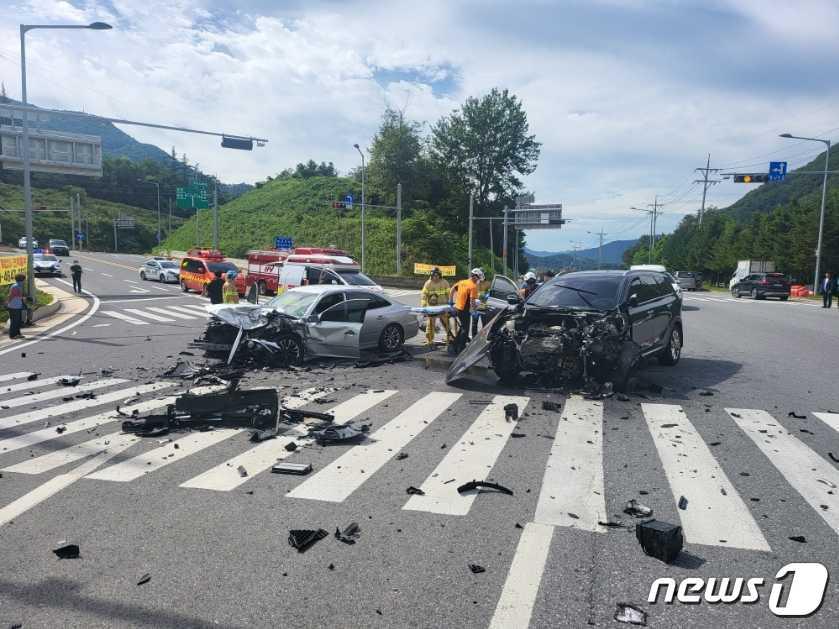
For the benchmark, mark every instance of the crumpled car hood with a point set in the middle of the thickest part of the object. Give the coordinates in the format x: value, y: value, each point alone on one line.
x: 475, y: 351
x: 246, y: 316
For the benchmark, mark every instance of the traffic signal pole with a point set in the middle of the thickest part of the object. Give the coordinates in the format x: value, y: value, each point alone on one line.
x: 705, y: 183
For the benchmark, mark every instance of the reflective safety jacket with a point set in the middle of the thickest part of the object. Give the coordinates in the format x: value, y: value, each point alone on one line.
x: 229, y: 292
x: 434, y: 293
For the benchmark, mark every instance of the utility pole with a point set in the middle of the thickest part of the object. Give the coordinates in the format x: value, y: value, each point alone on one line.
x: 601, y: 233
x: 72, y: 223
x: 504, y: 250
x: 471, y: 217
x: 215, y: 215
x: 398, y: 228
x: 115, y: 235
x: 169, y: 232
x: 705, y: 181
x: 654, y: 212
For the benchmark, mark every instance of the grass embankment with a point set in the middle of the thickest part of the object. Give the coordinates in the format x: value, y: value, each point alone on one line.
x: 41, y: 299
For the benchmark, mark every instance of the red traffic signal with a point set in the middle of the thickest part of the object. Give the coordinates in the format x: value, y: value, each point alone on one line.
x: 339, y: 205
x: 751, y: 178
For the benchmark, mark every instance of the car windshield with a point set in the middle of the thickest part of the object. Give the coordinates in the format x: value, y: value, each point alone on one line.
x: 292, y: 302
x: 168, y: 264
x: 224, y: 267
x: 45, y: 257
x: 356, y: 278
x: 57, y: 243
x: 568, y: 291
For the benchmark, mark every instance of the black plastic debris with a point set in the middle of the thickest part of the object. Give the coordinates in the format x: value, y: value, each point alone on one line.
x: 737, y: 415
x: 683, y: 503
x: 350, y: 533
x: 337, y: 434
x: 32, y: 376
x: 547, y: 405
x: 144, y: 579
x: 630, y: 614
x: 519, y: 526
x: 60, y: 429
x: 511, y: 412
x: 476, y: 569
x: 262, y: 435
x: 242, y: 471
x: 304, y: 539
x: 660, y: 540
x: 622, y: 397
x: 401, y: 456
x: 480, y: 484
x: 706, y: 393
x: 296, y: 416
x: 301, y: 469
x: 517, y: 435
x: 636, y: 509
x: 612, y: 524
x: 70, y: 381
x: 67, y: 551
x: 414, y: 491
x: 833, y: 457
x: 798, y: 538
x: 290, y: 446
x: 331, y: 566
x: 795, y: 415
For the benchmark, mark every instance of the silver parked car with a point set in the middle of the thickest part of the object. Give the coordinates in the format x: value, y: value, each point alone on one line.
x: 160, y: 269
x: 320, y: 320
x: 688, y: 280
x: 46, y: 264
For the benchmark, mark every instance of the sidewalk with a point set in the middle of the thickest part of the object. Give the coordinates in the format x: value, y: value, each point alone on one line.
x: 64, y: 307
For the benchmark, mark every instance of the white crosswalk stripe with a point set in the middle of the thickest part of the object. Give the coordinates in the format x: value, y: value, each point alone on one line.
x: 472, y: 457
x: 190, y: 310
x: 62, y: 457
x: 52, y: 394
x: 116, y: 314
x: 692, y: 471
x: 34, y: 384
x: 336, y: 482
x: 148, y: 315
x: 809, y: 474
x: 831, y: 419
x: 172, y: 313
x: 15, y: 376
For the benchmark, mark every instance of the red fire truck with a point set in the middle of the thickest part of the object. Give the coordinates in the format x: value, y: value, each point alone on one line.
x: 265, y: 266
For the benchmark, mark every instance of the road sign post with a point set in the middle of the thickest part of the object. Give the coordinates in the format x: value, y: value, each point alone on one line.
x: 283, y: 243
x: 348, y: 201
x: 777, y: 171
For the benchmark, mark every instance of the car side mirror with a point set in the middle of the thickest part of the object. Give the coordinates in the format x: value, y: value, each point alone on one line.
x: 633, y: 300
x: 513, y: 299
x: 313, y: 318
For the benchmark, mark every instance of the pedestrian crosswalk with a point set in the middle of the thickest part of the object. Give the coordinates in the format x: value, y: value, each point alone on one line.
x: 169, y: 314
x: 572, y: 492
x: 724, y: 298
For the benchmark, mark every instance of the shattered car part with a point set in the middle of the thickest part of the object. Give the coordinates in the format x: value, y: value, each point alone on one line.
x: 476, y: 569
x: 70, y: 381
x: 258, y: 436
x: 635, y: 508
x: 480, y: 484
x: 630, y: 614
x: 67, y: 551
x: 414, y: 491
x: 144, y: 579
x: 660, y: 540
x: 295, y: 415
x: 547, y: 405
x: 300, y: 469
x: 304, y: 539
x: 511, y: 412
x: 337, y: 434
x: 350, y: 533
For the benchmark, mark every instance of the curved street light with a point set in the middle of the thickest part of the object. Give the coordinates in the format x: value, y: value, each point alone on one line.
x: 360, y: 152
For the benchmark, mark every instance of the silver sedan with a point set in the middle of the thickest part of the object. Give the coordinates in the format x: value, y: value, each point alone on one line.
x: 338, y: 321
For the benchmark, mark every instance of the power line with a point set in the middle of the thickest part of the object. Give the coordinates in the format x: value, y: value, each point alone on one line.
x: 706, y: 181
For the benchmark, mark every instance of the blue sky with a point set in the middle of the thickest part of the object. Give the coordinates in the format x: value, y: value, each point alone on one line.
x: 627, y: 96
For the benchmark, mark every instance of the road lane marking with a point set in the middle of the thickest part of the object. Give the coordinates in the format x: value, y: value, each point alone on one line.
x: 160, y: 457
x: 515, y: 606
x: 62, y: 457
x: 101, y: 325
x: 26, y: 400
x: 23, y: 386
x: 131, y: 281
x: 808, y: 473
x: 226, y: 477
x: 187, y: 310
x: 116, y: 314
x: 160, y: 288
x: 337, y: 481
x: 147, y: 315
x: 53, y: 486
x: 106, y: 274
x: 77, y: 405
x: 136, y: 299
x: 471, y: 458
x: 195, y: 308
x: 15, y: 376
x: 693, y: 472
x: 573, y: 481
x: 831, y: 419
x: 170, y: 313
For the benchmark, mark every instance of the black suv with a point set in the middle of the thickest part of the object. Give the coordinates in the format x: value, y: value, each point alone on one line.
x: 762, y: 285
x: 590, y: 326
x: 59, y: 247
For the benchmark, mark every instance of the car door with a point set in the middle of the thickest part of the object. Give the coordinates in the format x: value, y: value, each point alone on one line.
x: 331, y: 333
x: 499, y: 290
x: 152, y: 270
x: 378, y: 312
x: 642, y: 312
x: 665, y: 296
x: 747, y: 283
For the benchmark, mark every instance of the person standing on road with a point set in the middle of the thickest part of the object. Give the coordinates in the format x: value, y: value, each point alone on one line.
x: 229, y: 291
x: 214, y: 289
x: 16, y: 304
x: 529, y: 286
x: 76, y: 272
x: 435, y: 291
x: 463, y: 296
x: 480, y: 313
x: 827, y: 291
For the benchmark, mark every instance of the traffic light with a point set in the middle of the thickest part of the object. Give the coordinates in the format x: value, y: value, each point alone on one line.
x: 339, y: 205
x: 243, y: 144
x: 751, y: 178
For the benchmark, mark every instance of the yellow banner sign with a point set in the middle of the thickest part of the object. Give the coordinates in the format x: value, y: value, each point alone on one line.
x: 425, y: 269
x: 11, y: 266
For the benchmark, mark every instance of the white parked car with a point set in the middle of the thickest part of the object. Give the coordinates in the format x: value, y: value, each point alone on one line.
x: 160, y: 269
x: 21, y: 244
x: 46, y: 264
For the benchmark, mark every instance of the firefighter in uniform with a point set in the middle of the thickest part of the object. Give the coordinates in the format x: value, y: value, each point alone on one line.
x: 435, y: 292
x: 229, y: 291
x: 464, y: 297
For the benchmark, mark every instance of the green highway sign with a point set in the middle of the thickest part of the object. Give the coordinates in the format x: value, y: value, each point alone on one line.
x: 193, y: 196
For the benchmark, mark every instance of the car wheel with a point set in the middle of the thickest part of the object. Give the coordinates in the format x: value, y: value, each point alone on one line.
x: 183, y: 287
x: 673, y: 351
x: 392, y: 338
x: 784, y: 298
x: 143, y: 275
x: 291, y: 349
x: 753, y: 294
x: 162, y: 278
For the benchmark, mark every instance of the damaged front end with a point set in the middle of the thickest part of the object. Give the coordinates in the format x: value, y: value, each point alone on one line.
x: 558, y: 346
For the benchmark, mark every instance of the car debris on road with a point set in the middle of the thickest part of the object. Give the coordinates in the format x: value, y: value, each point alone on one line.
x: 660, y: 540
x: 630, y: 614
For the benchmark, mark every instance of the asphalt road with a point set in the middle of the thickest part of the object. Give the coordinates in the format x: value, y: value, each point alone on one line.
x: 215, y: 543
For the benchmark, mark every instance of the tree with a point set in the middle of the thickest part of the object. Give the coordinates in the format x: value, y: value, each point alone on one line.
x: 395, y: 157
x: 484, y: 147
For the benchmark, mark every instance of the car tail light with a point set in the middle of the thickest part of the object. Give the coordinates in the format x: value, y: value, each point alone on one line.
x: 763, y: 282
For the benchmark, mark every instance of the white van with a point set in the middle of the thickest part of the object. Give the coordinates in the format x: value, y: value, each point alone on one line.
x: 294, y: 275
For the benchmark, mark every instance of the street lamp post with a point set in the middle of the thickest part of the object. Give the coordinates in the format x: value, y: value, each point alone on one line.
x: 156, y: 185
x: 360, y: 152
x: 824, y: 197
x: 27, y: 164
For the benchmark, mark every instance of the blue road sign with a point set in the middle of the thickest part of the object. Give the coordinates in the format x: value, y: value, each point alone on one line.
x: 777, y: 171
x: 348, y: 201
x: 284, y: 243
x: 79, y: 235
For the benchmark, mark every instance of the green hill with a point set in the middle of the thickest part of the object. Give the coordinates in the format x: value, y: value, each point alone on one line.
x: 97, y: 213
x: 301, y: 208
